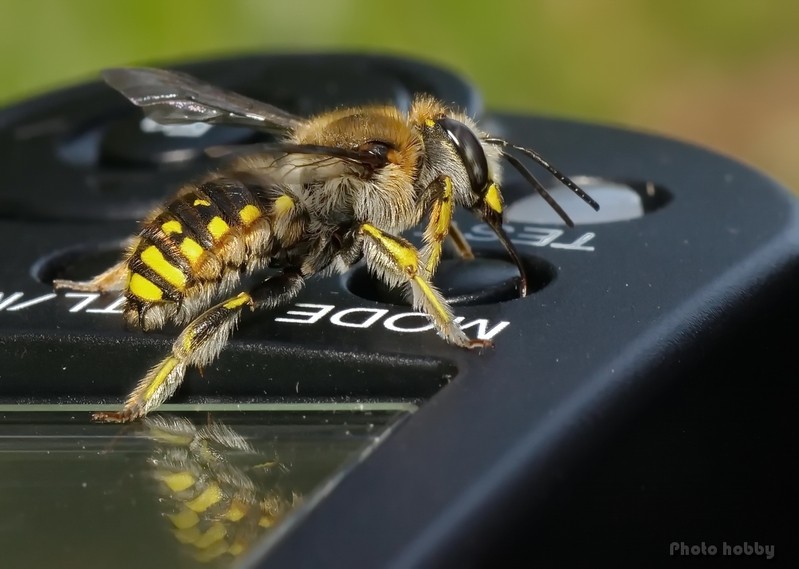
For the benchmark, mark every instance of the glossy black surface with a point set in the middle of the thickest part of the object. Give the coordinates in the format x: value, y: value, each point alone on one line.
x: 133, y: 494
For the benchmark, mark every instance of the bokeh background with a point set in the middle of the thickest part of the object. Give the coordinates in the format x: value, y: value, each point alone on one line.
x: 724, y: 74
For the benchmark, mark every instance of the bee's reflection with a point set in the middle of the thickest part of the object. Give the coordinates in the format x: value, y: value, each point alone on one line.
x: 218, y: 492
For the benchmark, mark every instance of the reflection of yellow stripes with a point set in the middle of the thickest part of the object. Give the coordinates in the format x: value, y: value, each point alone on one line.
x: 237, y: 510
x: 187, y: 535
x: 213, y: 534
x: 208, y: 498
x: 154, y: 259
x: 184, y: 519
x: 178, y: 481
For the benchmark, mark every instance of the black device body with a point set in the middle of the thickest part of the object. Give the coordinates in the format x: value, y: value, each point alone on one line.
x: 638, y: 397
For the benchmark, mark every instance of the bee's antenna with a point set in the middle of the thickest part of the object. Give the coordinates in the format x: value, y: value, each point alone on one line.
x: 540, y: 160
x: 539, y: 188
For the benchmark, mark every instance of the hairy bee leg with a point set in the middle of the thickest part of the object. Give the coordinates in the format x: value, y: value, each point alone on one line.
x: 439, y: 223
x: 113, y: 279
x: 200, y: 344
x: 441, y: 226
x: 458, y: 239
x: 396, y: 261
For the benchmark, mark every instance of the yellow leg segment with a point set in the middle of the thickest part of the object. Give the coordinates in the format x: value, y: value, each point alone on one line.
x: 439, y: 223
x: 200, y: 344
x: 396, y: 261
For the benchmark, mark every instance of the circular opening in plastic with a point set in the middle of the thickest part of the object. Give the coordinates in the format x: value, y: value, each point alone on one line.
x: 618, y: 201
x: 484, y: 280
x: 77, y: 263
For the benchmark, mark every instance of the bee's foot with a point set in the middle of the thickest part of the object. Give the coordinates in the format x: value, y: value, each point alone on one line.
x: 479, y: 344
x: 124, y: 416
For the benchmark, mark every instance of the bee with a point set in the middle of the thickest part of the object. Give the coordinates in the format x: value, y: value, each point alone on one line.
x: 334, y: 189
x: 217, y: 508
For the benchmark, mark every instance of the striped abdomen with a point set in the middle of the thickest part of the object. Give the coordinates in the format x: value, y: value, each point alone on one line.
x: 197, y: 246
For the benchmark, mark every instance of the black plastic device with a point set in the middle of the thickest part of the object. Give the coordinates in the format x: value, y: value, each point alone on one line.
x: 564, y: 443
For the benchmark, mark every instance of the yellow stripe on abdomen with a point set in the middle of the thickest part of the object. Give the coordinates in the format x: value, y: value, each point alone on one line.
x: 172, y: 226
x: 283, y: 205
x: 154, y: 259
x: 218, y: 228
x: 192, y: 250
x: 249, y: 213
x: 144, y: 289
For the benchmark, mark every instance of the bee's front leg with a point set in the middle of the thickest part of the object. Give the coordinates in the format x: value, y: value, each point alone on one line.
x: 441, y: 226
x: 396, y: 261
x: 200, y: 343
x: 438, y: 225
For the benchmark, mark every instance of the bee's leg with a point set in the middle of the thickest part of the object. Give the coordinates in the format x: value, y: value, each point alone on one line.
x: 112, y: 279
x: 441, y: 226
x: 396, y: 261
x: 438, y: 226
x: 200, y: 343
x: 458, y: 239
x: 489, y: 207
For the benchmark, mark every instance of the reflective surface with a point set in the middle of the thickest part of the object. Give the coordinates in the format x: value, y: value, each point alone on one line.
x: 178, y: 490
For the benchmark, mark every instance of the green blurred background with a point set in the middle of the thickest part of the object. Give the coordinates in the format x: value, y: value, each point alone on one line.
x: 720, y: 73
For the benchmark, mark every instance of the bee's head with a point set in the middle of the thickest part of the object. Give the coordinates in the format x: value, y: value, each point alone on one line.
x: 455, y: 148
x: 484, y: 196
x: 463, y: 147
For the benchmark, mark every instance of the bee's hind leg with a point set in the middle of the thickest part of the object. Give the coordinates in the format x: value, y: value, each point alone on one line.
x: 113, y: 279
x: 200, y: 343
x: 110, y: 280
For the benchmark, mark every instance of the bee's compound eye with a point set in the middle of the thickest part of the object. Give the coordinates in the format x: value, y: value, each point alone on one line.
x: 470, y: 150
x: 377, y: 148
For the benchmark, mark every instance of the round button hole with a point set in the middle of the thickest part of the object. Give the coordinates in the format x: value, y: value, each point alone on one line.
x: 618, y: 201
x: 78, y: 263
x: 484, y: 280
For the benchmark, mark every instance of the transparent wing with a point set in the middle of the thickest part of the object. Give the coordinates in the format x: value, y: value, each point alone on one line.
x: 302, y: 163
x: 171, y: 97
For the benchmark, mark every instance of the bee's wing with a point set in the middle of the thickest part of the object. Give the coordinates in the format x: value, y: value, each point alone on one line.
x: 303, y: 163
x: 170, y: 97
